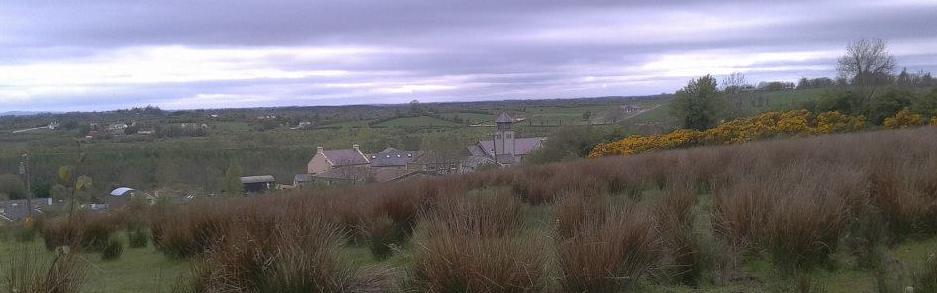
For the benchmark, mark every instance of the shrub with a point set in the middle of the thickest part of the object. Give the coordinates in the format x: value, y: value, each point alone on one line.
x: 112, y: 249
x: 769, y: 124
x: 904, y: 119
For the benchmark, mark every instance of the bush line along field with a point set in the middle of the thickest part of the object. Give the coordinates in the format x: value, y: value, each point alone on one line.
x: 834, y: 213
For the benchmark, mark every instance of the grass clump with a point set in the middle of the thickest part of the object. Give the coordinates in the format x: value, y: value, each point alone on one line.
x: 471, y: 244
x: 138, y: 237
x: 113, y: 249
x: 611, y: 254
x: 31, y: 271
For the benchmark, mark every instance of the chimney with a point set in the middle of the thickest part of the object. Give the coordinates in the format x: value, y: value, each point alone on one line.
x: 355, y: 146
x: 319, y: 150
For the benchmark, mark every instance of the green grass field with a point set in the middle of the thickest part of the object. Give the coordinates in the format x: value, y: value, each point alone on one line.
x: 137, y: 270
x: 420, y: 121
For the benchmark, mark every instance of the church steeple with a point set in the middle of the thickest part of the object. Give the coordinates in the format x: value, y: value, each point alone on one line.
x: 504, y: 139
x: 504, y: 121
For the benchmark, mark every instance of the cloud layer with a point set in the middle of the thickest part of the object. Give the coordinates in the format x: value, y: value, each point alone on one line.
x: 106, y: 54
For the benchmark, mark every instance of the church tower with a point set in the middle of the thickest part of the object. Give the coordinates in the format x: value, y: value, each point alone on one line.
x: 504, y: 138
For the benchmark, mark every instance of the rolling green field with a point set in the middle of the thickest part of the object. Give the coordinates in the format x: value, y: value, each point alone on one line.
x: 198, y: 164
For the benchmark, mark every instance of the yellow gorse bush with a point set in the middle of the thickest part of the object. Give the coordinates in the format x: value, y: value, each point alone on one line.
x: 792, y: 123
x: 832, y: 122
x: 933, y: 121
x: 904, y: 119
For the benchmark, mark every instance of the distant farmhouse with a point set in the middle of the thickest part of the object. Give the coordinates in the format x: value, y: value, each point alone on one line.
x: 352, y: 166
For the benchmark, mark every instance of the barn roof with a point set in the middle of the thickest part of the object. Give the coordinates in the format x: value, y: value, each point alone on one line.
x: 121, y: 191
x: 257, y: 179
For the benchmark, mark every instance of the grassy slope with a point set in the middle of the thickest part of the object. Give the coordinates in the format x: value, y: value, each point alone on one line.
x: 137, y: 270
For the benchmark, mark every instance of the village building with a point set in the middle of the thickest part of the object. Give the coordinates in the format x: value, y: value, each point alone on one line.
x: 325, y: 160
x: 352, y: 166
x: 505, y: 148
x: 12, y: 211
x: 394, y: 158
x: 631, y: 108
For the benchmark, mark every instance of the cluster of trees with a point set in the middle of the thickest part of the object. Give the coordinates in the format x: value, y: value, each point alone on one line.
x: 866, y: 86
x: 813, y: 83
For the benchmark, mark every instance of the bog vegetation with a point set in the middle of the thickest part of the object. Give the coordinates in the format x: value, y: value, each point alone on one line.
x: 681, y: 218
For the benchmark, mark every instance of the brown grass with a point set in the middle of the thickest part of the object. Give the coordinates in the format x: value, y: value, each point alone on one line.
x: 616, y: 221
x: 611, y: 254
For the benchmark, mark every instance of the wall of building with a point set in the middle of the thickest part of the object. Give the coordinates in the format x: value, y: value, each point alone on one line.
x: 318, y: 164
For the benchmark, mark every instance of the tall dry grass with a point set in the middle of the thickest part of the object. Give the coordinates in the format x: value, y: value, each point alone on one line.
x: 470, y: 243
x: 617, y: 220
x: 32, y: 271
x: 608, y: 254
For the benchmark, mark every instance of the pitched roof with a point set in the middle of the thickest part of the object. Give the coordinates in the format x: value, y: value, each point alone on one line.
x: 345, y: 157
x: 504, y: 118
x: 476, y: 150
x: 522, y: 146
x: 387, y: 175
x: 257, y: 179
x: 391, y: 157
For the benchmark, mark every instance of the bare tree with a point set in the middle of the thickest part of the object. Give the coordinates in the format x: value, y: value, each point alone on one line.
x: 867, y: 63
x: 733, y: 86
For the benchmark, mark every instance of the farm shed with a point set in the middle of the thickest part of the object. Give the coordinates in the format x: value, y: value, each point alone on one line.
x: 256, y: 184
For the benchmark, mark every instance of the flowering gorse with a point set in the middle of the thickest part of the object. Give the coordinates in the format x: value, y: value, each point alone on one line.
x: 770, y: 124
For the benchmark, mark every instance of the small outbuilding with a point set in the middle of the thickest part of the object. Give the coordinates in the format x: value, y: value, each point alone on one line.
x: 258, y: 184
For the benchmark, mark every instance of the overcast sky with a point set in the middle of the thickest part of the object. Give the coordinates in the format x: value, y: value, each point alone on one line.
x: 107, y: 54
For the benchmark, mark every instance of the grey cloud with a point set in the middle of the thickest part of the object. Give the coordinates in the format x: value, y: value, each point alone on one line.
x: 490, y: 47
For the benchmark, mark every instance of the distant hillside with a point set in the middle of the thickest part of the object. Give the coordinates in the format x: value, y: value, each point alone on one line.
x: 20, y: 113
